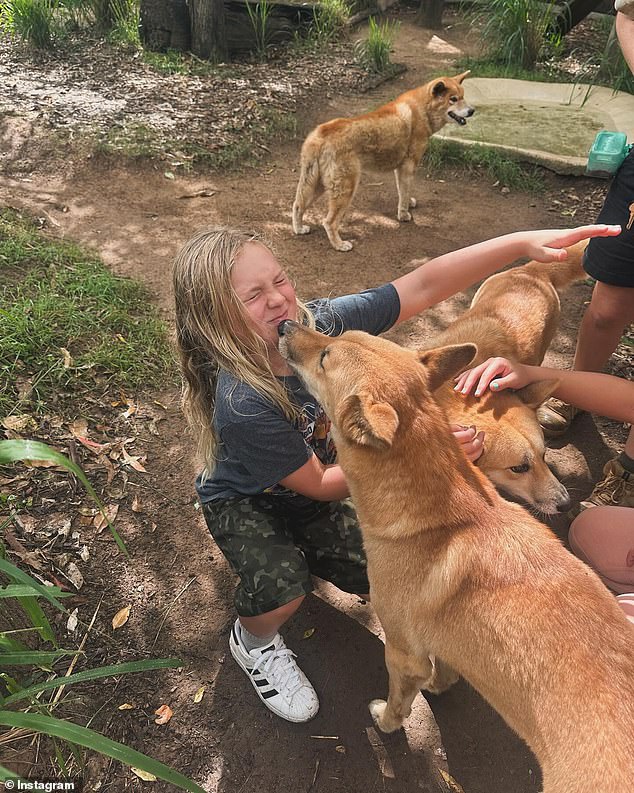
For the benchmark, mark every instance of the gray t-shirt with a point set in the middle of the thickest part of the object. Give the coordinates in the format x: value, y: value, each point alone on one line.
x: 259, y: 446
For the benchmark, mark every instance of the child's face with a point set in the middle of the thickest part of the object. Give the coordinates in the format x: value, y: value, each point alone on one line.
x: 265, y: 291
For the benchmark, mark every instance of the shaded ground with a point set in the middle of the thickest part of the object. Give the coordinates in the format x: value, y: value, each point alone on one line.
x: 177, y: 584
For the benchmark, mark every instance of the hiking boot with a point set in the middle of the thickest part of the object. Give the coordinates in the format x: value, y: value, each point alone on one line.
x: 555, y: 417
x: 616, y: 489
x: 277, y: 679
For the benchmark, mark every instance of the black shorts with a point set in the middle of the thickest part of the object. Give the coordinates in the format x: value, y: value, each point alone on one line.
x: 611, y: 259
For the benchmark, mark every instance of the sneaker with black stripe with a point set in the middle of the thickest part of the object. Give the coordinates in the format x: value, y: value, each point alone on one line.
x: 277, y: 679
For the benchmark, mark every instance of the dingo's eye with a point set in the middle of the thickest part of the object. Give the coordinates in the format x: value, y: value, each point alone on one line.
x: 453, y: 99
x: 520, y: 469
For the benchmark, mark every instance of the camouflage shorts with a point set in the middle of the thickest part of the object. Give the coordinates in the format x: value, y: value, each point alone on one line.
x: 275, y: 547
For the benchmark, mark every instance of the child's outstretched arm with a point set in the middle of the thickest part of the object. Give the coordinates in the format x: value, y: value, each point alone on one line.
x: 445, y: 275
x: 598, y: 393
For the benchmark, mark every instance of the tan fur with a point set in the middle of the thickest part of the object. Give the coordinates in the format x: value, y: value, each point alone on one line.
x: 463, y: 581
x: 393, y: 137
x: 514, y: 314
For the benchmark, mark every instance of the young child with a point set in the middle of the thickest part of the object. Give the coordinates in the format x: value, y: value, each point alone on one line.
x: 602, y: 536
x: 272, y: 494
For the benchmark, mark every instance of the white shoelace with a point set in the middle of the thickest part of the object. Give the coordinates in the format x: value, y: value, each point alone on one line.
x: 280, y: 668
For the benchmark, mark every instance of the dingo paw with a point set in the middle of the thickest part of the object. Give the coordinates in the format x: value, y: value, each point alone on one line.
x: 301, y: 229
x: 377, y: 710
x: 412, y: 203
x: 404, y: 216
x: 344, y: 245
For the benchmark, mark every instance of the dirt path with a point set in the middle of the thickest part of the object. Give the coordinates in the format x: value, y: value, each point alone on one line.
x: 177, y: 582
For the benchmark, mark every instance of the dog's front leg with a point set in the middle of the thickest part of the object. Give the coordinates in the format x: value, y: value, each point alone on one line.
x: 408, y: 674
x: 404, y: 178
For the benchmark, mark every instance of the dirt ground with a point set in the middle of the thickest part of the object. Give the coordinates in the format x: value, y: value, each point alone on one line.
x: 176, y: 581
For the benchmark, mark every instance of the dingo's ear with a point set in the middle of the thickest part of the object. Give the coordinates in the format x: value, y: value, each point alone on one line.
x: 534, y: 394
x: 459, y: 78
x: 438, y: 88
x: 366, y: 422
x: 443, y: 362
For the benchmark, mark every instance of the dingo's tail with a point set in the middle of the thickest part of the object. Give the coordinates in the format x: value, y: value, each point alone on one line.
x: 310, y: 185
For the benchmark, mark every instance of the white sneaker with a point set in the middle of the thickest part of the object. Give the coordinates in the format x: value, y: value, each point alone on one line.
x: 274, y: 673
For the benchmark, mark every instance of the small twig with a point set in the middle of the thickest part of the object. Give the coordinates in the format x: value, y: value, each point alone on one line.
x: 80, y: 649
x: 170, y: 607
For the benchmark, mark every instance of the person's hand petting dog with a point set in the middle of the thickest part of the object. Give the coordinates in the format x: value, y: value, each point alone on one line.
x: 496, y: 373
x: 471, y: 441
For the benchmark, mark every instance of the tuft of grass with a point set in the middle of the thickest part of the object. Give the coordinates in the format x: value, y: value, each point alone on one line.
x: 175, y: 62
x: 515, y: 32
x: 373, y: 53
x: 68, y: 325
x: 33, y: 21
x: 444, y: 154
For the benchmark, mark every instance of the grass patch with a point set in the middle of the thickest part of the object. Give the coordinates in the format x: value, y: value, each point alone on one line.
x: 443, y: 154
x: 69, y: 326
x: 174, y: 62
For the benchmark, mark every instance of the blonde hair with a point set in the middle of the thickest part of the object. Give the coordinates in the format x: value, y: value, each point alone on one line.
x: 213, y: 333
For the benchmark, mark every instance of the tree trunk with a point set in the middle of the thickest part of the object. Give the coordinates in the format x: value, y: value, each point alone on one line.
x: 165, y: 25
x: 208, y: 29
x: 571, y: 13
x: 429, y: 14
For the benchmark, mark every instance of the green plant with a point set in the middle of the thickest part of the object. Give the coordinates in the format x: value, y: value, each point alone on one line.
x: 32, y: 20
x: 443, y: 154
x: 373, y: 53
x: 36, y: 675
x: 515, y: 31
x: 259, y: 15
x: 329, y: 17
x: 67, y: 323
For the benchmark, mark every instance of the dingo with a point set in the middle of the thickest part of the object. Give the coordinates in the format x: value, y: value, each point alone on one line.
x: 462, y: 579
x: 393, y: 137
x: 514, y: 314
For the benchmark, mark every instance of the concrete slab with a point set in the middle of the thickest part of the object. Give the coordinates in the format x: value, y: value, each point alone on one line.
x: 552, y: 124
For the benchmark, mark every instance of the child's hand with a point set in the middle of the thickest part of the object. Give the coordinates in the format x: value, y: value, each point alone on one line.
x: 471, y: 442
x: 498, y: 373
x: 550, y: 245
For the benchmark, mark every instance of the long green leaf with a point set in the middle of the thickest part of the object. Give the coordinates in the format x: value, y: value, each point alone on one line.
x: 93, y: 740
x: 93, y: 674
x: 27, y: 591
x: 12, y: 451
x: 37, y: 657
x: 23, y: 578
x: 34, y: 612
x: 6, y: 774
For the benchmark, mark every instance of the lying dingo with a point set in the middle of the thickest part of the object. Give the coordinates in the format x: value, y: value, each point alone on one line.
x: 463, y: 581
x: 392, y: 138
x: 514, y: 314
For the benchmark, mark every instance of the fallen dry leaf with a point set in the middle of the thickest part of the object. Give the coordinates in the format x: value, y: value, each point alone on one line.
x: 132, y: 461
x: 79, y: 428
x: 121, y: 617
x: 68, y: 358
x: 101, y: 522
x: 163, y: 714
x: 308, y: 633
x: 137, y: 505
x: 16, y: 423
x: 74, y: 575
x: 71, y: 624
x: 126, y: 706
x: 144, y: 775
x: 199, y: 694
